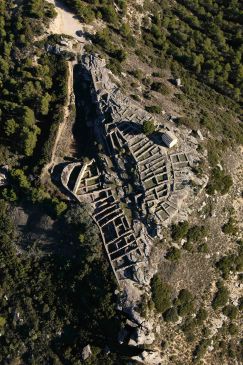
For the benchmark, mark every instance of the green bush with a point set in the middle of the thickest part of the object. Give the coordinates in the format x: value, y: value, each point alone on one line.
x: 119, y: 54
x: 160, y: 87
x: 115, y: 66
x: 230, y: 311
x: 233, y: 262
x: 59, y: 206
x: 233, y: 329
x: 161, y: 294
x: 201, y: 349
x: 240, y: 304
x: 221, y: 297
x: 229, y: 227
x: 170, y: 315
x: 239, y: 260
x: 226, y: 264
x: 196, y: 233
x: 203, y: 248
x: 138, y: 73
x: 185, y: 303
x: 179, y: 230
x: 2, y: 322
x: 189, y: 328
x: 173, y: 254
x: 156, y: 109
x: 219, y: 181
x: 109, y: 14
x: 201, y: 315
x: 135, y: 97
x: 148, y: 127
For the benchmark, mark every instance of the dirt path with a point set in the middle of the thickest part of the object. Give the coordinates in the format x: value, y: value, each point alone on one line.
x: 66, y: 112
x: 64, y: 23
x: 67, y: 23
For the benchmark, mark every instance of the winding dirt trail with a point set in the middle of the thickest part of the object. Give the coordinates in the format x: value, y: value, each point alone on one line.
x: 65, y: 23
x: 62, y: 125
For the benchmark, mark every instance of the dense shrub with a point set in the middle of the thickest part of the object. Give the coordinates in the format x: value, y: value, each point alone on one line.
x: 233, y: 329
x: 201, y: 315
x: 156, y: 109
x: 219, y: 181
x: 160, y: 87
x: 196, y: 233
x: 173, y: 254
x: 229, y: 227
x: 179, y: 230
x: 170, y: 315
x: 230, y: 311
x: 138, y: 73
x: 148, y: 127
x: 45, y: 292
x: 221, y: 297
x: 233, y: 262
x: 201, y: 349
x: 109, y: 14
x: 161, y: 294
x: 189, y: 328
x: 185, y: 303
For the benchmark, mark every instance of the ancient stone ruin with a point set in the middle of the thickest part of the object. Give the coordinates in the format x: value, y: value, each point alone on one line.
x: 159, y: 176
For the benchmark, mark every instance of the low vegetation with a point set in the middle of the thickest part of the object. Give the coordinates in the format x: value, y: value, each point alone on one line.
x: 221, y: 296
x: 56, y: 294
x: 161, y: 294
x: 219, y: 181
x: 148, y: 127
x: 173, y: 254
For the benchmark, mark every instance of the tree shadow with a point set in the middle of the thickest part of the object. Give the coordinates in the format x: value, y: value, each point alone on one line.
x: 59, y: 4
x: 156, y: 138
x: 133, y: 129
x: 130, y: 128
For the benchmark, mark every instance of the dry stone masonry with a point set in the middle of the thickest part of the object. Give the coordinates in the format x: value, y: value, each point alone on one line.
x: 160, y: 174
x: 121, y: 244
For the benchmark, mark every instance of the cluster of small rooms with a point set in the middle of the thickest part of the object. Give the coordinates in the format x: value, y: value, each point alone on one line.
x: 161, y: 177
x: 84, y: 181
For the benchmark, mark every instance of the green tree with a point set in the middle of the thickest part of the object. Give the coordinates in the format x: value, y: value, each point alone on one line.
x: 148, y: 127
x: 185, y: 302
x: 170, y: 315
x: 29, y: 139
x: 10, y: 127
x: 230, y: 311
x: 179, y: 230
x: 59, y: 206
x: 173, y: 254
x: 161, y: 294
x: 38, y: 195
x: 221, y: 297
x: 36, y: 8
x: 44, y: 104
x: 4, y: 68
x: 2, y: 322
x: 19, y: 176
x: 28, y: 117
x: 109, y: 14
